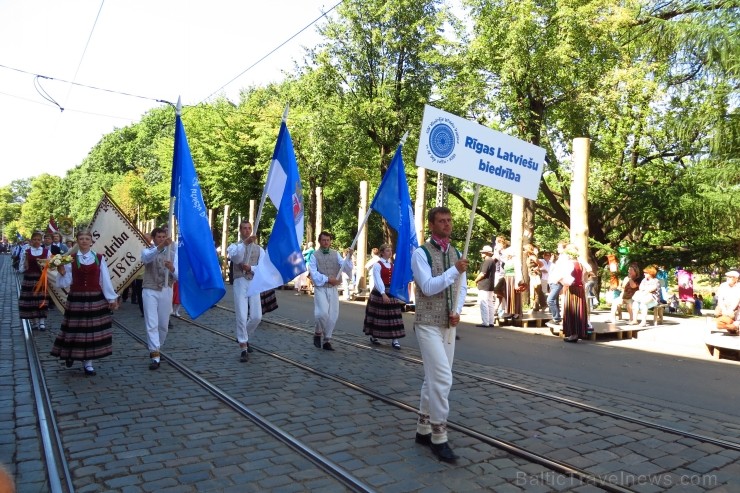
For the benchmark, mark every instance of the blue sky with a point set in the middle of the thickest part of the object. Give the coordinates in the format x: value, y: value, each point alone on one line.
x: 154, y: 48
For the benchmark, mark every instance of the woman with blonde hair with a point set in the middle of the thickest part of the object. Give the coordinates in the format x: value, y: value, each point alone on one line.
x: 86, y: 332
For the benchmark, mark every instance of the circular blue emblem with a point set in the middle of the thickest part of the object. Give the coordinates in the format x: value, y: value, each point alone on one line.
x: 442, y: 140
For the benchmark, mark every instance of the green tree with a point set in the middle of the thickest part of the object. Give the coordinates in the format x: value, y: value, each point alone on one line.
x: 593, y: 68
x: 380, y: 63
x: 46, y: 191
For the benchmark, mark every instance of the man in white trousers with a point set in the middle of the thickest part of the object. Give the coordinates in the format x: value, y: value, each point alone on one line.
x: 245, y: 257
x: 440, y: 279
x: 160, y: 265
x: 324, y: 266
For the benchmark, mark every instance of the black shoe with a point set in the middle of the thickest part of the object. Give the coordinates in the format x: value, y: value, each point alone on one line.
x: 424, y: 439
x: 457, y: 338
x: 69, y: 362
x: 443, y: 452
x: 484, y: 325
x: 327, y: 346
x: 249, y: 348
x: 154, y: 365
x: 244, y: 356
x: 89, y: 371
x: 374, y: 341
x: 317, y: 341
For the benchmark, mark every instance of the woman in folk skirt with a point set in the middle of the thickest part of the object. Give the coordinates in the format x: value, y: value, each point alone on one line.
x: 86, y: 328
x: 383, y: 314
x: 33, y: 306
x: 575, y: 315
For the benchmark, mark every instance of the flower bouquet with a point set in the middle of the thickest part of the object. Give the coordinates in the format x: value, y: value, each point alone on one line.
x: 51, y: 263
x: 59, y: 259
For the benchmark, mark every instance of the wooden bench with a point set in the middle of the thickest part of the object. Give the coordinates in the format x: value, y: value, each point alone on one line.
x: 721, y: 344
x: 603, y: 328
x: 658, y: 311
x: 533, y: 320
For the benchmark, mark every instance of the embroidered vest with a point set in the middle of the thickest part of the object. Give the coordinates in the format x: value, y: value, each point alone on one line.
x: 327, y: 263
x: 435, y: 310
x: 86, y: 278
x: 33, y: 267
x: 251, y: 257
x: 385, y: 274
x: 154, y: 273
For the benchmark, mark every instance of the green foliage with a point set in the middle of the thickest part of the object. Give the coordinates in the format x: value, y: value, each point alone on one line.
x: 654, y: 85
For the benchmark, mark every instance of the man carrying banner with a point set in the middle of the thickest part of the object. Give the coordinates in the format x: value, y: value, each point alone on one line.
x: 324, y: 266
x: 245, y: 256
x: 160, y: 264
x: 439, y: 274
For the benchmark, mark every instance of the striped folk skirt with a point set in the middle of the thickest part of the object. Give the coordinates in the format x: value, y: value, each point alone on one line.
x: 268, y: 300
x: 29, y: 304
x: 383, y: 320
x: 86, y: 328
x: 513, y: 296
x: 575, y: 316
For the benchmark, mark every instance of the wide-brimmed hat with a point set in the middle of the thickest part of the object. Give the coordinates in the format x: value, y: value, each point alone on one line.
x: 486, y: 249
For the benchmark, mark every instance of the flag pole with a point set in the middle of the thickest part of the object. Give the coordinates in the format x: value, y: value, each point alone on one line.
x: 269, y: 173
x: 370, y: 211
x: 467, y: 238
x: 170, y: 229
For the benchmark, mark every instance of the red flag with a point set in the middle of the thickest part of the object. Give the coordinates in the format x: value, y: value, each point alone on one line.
x: 52, y: 227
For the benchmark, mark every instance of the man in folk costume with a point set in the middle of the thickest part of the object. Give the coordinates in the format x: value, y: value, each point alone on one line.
x: 324, y: 266
x: 160, y: 265
x: 33, y: 304
x: 245, y: 257
x: 439, y: 275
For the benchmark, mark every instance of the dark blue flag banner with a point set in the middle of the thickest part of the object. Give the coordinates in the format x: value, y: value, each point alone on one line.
x: 200, y: 281
x: 393, y: 202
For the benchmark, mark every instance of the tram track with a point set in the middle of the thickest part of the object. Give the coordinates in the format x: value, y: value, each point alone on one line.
x: 240, y: 406
x: 57, y: 466
x: 727, y: 444
x: 322, y: 462
x: 557, y: 466
x: 679, y: 435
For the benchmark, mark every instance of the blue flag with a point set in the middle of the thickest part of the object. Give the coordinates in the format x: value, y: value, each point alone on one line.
x: 392, y: 201
x: 200, y: 281
x: 284, y: 258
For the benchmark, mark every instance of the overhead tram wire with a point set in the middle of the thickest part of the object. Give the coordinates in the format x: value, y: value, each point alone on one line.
x: 112, y: 91
x: 158, y: 100
x: 324, y: 14
x: 84, y: 52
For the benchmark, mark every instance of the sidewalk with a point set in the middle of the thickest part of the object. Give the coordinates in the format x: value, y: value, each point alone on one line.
x: 678, y: 336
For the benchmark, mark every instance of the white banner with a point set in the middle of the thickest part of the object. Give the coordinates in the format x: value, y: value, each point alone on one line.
x: 457, y: 147
x: 116, y: 239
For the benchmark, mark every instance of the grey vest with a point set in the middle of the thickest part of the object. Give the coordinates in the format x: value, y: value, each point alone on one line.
x: 435, y: 310
x: 251, y: 257
x: 327, y: 263
x: 154, y: 273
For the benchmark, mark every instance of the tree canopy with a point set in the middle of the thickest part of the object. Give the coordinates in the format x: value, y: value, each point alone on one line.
x: 653, y: 84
